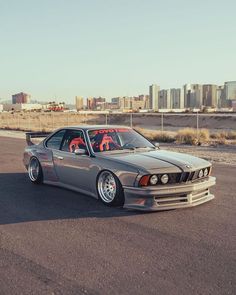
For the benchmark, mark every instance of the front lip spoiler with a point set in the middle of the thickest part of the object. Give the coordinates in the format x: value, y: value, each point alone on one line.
x: 147, y: 198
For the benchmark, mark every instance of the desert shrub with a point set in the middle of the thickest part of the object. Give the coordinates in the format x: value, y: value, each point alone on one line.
x: 157, y: 136
x: 190, y: 136
x: 163, y: 137
x: 203, y: 136
x: 187, y: 136
x: 219, y: 137
x: 231, y: 135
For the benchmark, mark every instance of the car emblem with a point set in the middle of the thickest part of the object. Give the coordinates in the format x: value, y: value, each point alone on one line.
x: 188, y: 166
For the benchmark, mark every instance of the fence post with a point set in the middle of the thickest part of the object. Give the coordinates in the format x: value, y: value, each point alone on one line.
x: 106, y: 118
x: 197, y: 127
x: 162, y: 119
x: 29, y: 122
x: 18, y: 121
x: 52, y: 120
x: 131, y: 120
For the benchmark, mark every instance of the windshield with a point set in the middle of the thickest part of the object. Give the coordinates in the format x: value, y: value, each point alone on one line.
x: 117, y: 139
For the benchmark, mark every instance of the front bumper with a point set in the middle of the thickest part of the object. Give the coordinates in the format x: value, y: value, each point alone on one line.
x: 169, y: 196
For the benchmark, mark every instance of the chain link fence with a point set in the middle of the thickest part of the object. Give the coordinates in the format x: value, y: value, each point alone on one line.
x: 35, y: 121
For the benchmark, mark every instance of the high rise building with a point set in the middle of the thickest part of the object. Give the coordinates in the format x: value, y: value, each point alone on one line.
x: 21, y: 98
x: 91, y: 103
x: 96, y: 103
x: 209, y: 97
x: 192, y: 96
x: 126, y: 103
x: 153, y: 97
x: 79, y: 102
x: 230, y: 93
x: 176, y: 98
x: 164, y: 99
x: 140, y: 102
x: 220, y: 96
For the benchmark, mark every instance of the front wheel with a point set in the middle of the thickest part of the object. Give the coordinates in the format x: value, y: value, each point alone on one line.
x: 110, y: 190
x: 35, y: 171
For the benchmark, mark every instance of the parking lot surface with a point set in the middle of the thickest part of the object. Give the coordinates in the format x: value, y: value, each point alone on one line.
x: 55, y: 241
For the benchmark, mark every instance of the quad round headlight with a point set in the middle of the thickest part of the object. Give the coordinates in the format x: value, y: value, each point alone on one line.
x: 164, y: 178
x: 200, y: 174
x: 205, y: 172
x: 153, y: 179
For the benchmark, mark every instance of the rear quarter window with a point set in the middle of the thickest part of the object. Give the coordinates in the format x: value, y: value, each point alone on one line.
x: 54, y: 142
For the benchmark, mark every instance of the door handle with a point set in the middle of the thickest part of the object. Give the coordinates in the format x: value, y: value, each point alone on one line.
x: 59, y: 157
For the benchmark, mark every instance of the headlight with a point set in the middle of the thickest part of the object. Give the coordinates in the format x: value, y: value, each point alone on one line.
x: 164, y: 178
x: 200, y: 174
x: 205, y: 172
x: 153, y: 179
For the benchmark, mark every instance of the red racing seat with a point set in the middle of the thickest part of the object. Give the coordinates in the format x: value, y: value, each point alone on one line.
x: 76, y: 143
x: 106, y: 143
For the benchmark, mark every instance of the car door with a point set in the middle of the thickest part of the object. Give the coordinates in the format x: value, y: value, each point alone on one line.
x: 74, y: 170
x: 53, y: 144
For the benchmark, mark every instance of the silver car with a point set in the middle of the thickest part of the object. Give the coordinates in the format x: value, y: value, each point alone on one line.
x: 119, y: 166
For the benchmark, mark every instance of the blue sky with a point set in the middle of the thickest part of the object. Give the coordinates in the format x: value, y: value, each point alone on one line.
x: 55, y: 48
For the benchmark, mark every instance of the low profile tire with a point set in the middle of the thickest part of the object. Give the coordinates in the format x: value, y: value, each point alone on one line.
x: 35, y: 171
x: 110, y: 190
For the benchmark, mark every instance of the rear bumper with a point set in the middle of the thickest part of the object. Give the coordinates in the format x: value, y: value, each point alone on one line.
x: 169, y: 196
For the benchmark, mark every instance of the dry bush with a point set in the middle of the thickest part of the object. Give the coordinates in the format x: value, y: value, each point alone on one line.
x: 157, y: 136
x: 190, y: 136
x: 219, y: 137
x: 203, y: 136
x: 187, y: 136
x: 231, y: 135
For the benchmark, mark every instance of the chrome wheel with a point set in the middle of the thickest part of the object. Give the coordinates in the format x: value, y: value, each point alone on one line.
x: 107, y: 187
x: 34, y: 169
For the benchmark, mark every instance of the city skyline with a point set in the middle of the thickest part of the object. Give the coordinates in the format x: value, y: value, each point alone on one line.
x: 56, y: 49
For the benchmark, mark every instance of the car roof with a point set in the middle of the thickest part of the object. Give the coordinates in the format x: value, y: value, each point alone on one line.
x: 95, y: 127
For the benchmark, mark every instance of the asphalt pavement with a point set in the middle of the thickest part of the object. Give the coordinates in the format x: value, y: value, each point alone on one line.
x: 55, y: 241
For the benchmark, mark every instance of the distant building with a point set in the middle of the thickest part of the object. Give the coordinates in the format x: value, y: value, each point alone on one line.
x: 164, y: 99
x: 154, y: 97
x: 234, y: 105
x: 96, y: 103
x: 22, y: 107
x: 192, y: 96
x: 126, y: 103
x: 220, y: 96
x: 116, y: 102
x: 1, y: 107
x: 230, y: 93
x: 230, y: 90
x: 79, y: 103
x: 209, y: 97
x: 176, y: 98
x: 21, y: 98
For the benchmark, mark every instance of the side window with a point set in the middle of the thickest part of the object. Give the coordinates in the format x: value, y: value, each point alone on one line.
x: 74, y: 139
x: 55, y: 141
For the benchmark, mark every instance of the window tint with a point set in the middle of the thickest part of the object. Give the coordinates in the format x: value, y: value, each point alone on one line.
x: 74, y: 139
x: 55, y: 141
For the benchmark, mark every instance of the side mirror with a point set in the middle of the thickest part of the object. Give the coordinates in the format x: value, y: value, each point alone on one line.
x: 80, y: 152
x: 157, y: 145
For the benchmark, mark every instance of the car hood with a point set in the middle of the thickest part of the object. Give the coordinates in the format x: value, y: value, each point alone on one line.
x: 160, y: 159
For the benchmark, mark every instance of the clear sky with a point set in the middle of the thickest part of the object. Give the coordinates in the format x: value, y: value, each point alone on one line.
x: 64, y: 48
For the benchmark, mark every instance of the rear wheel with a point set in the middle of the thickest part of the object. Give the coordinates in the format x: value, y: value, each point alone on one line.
x: 35, y: 171
x: 109, y: 189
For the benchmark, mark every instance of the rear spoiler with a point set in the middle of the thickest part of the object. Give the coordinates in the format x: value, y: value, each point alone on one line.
x: 30, y: 135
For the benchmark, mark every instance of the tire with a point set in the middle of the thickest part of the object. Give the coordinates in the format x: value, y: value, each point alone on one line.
x: 35, y: 171
x: 110, y: 190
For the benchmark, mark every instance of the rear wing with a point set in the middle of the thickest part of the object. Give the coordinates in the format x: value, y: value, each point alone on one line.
x: 30, y: 135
